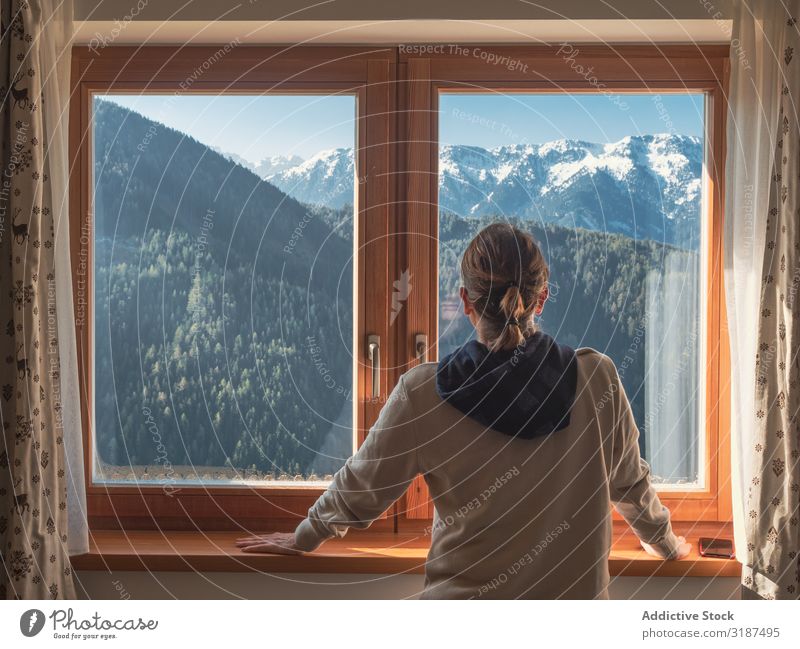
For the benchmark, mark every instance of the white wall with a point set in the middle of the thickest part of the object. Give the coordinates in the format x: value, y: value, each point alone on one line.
x: 176, y: 22
x: 408, y: 9
x: 232, y: 585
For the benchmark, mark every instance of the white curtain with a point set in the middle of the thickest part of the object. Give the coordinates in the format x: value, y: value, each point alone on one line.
x: 671, y: 385
x: 55, y: 53
x: 764, y: 41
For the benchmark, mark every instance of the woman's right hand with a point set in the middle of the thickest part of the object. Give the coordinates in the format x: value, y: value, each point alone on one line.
x: 682, y: 552
x: 274, y: 543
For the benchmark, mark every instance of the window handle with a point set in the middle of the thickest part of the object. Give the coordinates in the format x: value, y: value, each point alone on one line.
x: 421, y: 348
x: 374, y: 354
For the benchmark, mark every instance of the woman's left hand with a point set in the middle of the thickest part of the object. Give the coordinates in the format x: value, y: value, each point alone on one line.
x: 681, y: 552
x: 274, y: 543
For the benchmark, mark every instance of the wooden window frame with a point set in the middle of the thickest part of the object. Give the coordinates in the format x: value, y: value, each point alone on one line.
x: 366, y: 73
x: 397, y: 229
x: 634, y: 68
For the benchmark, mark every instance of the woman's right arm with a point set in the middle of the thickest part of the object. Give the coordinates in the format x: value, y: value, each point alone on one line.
x: 632, y: 493
x: 371, y: 480
x: 366, y: 486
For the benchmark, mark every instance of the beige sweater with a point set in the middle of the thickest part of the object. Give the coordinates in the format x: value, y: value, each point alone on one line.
x: 514, y: 518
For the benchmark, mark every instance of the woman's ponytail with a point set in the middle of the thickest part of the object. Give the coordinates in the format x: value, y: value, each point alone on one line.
x: 513, y: 309
x: 504, y: 273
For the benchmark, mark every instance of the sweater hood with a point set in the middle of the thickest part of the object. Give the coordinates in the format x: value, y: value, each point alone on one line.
x: 525, y: 392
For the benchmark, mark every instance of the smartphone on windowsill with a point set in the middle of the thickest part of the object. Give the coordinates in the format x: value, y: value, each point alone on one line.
x: 720, y: 548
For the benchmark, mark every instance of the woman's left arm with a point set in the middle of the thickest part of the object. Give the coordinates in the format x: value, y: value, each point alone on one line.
x: 365, y: 487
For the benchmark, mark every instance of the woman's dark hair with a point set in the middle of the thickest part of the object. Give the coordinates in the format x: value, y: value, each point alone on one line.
x: 504, y: 273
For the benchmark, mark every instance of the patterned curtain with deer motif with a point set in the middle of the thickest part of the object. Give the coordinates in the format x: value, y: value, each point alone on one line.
x: 33, y: 509
x: 771, y: 567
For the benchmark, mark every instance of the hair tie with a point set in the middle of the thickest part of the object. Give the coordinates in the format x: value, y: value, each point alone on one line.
x: 513, y: 321
x: 503, y: 287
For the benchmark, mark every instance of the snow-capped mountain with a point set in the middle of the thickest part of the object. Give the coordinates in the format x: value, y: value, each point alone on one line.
x: 235, y: 157
x: 645, y: 186
x: 324, y: 179
x: 268, y: 167
x: 328, y: 178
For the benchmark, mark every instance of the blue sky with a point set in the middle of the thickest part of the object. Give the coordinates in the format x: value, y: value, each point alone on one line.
x: 256, y: 127
x: 490, y: 120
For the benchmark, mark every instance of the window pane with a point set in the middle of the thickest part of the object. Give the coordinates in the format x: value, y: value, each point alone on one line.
x: 223, y: 287
x: 611, y: 187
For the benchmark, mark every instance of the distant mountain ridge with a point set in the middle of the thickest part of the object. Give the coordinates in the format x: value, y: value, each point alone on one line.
x: 327, y: 178
x: 266, y: 167
x: 646, y: 186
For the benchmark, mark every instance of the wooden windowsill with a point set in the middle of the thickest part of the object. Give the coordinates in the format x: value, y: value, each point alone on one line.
x: 358, y: 552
